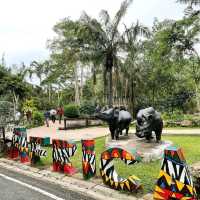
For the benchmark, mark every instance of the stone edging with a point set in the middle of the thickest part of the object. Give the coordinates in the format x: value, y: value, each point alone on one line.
x: 86, y: 188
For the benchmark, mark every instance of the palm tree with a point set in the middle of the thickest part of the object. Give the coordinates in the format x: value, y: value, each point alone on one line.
x: 42, y: 70
x: 97, y: 41
x: 105, y: 41
x: 190, y: 11
x: 37, y: 68
x: 190, y: 2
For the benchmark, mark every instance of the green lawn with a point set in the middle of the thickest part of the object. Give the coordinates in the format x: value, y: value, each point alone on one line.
x: 147, y: 172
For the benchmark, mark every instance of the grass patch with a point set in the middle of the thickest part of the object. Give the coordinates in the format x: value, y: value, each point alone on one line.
x: 190, y: 145
x: 147, y: 172
x: 77, y: 158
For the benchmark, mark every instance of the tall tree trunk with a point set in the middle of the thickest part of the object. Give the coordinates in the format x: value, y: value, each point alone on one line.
x: 108, y: 68
x: 94, y: 80
x: 110, y: 87
x: 105, y: 85
x: 153, y: 96
x: 81, y: 88
x: 197, y: 96
x: 132, y: 106
x: 59, y: 94
x: 77, y: 97
x: 15, y: 101
x: 49, y: 92
x: 94, y: 75
x: 126, y: 91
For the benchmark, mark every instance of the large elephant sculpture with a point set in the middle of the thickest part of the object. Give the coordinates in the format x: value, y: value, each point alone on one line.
x: 117, y: 119
x: 147, y: 121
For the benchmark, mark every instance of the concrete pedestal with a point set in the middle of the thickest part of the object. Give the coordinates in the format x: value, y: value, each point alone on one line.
x: 150, y: 151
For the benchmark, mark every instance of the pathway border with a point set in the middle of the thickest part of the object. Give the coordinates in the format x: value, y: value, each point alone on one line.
x: 86, y: 188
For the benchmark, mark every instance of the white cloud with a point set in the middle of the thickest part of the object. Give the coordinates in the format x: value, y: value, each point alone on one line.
x: 25, y: 25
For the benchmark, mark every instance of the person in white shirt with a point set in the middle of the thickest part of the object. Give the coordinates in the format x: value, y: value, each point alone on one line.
x: 53, y: 113
x: 17, y: 117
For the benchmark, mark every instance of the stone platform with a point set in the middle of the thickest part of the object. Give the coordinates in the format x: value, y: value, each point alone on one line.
x: 150, y: 151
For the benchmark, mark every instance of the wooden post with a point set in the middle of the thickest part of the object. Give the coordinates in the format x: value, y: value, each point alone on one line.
x: 65, y: 124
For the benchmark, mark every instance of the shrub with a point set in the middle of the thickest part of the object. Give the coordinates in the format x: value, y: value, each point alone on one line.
x: 29, y: 106
x: 87, y: 108
x: 71, y: 111
x: 38, y: 118
x: 178, y: 119
x: 175, y: 116
x: 190, y: 106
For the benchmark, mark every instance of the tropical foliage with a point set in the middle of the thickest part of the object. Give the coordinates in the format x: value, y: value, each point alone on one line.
x: 71, y: 111
x: 106, y: 62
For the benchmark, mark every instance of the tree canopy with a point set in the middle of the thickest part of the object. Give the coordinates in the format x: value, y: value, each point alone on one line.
x: 104, y: 61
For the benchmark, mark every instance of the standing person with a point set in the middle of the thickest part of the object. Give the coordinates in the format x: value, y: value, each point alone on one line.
x: 53, y: 113
x: 60, y: 113
x: 47, y: 116
x: 17, y: 117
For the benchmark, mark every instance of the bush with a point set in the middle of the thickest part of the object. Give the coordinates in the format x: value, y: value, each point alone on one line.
x: 196, y: 122
x: 178, y: 119
x: 38, y: 118
x: 87, y: 108
x: 175, y: 116
x: 29, y: 106
x: 71, y: 111
x: 190, y: 106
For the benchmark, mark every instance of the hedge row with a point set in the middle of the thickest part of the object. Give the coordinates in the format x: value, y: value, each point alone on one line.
x: 75, y: 111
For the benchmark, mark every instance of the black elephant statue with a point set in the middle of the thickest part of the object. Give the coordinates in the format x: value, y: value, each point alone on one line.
x: 117, y: 119
x: 147, y: 121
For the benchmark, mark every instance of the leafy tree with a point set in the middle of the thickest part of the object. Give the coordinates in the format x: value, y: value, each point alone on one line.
x: 132, y: 68
x: 12, y: 86
x: 98, y: 41
x: 38, y: 69
x: 181, y: 38
x: 164, y: 71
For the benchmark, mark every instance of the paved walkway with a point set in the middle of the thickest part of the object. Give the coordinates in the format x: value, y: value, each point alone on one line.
x: 73, y: 134
x: 93, y: 132
x: 182, y: 131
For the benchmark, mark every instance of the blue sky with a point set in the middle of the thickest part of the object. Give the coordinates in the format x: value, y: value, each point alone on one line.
x: 25, y: 25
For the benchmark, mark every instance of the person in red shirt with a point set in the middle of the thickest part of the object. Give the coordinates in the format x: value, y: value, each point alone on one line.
x: 60, y: 113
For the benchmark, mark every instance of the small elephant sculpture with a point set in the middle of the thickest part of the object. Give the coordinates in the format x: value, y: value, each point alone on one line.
x: 147, y: 121
x: 117, y: 119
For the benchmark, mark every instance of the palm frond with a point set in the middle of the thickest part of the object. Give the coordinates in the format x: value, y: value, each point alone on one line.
x: 106, y: 22
x: 131, y: 35
x: 94, y: 28
x: 190, y: 2
x: 140, y: 30
x: 105, y: 17
x: 190, y: 12
x: 121, y: 12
